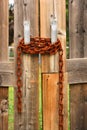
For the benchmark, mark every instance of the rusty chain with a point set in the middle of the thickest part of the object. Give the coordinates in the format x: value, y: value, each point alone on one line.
x: 40, y: 46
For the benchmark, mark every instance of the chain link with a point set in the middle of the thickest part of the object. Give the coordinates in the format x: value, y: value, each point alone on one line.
x: 40, y: 46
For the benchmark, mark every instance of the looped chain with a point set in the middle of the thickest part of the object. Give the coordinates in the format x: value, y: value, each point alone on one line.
x: 40, y: 46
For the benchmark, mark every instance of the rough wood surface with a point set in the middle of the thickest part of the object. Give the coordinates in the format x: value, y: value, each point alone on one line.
x: 85, y: 28
x: 3, y: 57
x: 3, y: 30
x: 77, y: 70
x: 6, y: 74
x: 78, y: 38
x: 78, y: 103
x: 27, y: 10
x: 46, y: 9
x: 76, y: 29
x: 4, y: 108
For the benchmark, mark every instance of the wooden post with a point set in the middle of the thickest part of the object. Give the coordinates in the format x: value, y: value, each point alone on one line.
x: 28, y: 119
x: 3, y: 58
x: 46, y: 9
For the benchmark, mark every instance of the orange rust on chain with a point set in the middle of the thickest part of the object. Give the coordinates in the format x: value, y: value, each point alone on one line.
x: 40, y: 46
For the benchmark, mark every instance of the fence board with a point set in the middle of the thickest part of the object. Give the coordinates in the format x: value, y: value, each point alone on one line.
x: 3, y: 58
x: 4, y: 108
x: 46, y: 9
x: 50, y: 98
x: 76, y: 30
x: 78, y: 50
x: 28, y: 10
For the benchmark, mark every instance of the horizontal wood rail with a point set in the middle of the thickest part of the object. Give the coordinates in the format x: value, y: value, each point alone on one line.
x: 76, y: 68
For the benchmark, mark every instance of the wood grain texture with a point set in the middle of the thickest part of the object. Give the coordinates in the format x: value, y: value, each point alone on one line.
x: 3, y: 58
x: 50, y: 98
x: 7, y: 74
x: 76, y: 29
x: 78, y: 106
x: 46, y: 8
x: 85, y: 27
x: 50, y: 101
x: 77, y: 70
x: 3, y: 108
x: 27, y: 10
x: 3, y: 30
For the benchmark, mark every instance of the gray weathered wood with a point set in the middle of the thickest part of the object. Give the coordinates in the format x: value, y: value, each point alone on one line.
x: 78, y: 44
x: 77, y: 70
x: 85, y: 28
x: 76, y: 64
x: 76, y: 30
x: 28, y: 119
x: 7, y: 74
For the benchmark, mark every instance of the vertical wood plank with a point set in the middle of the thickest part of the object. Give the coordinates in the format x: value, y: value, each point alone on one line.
x: 46, y: 8
x: 84, y: 116
x: 50, y: 98
x: 3, y: 108
x: 76, y: 107
x: 76, y: 30
x: 3, y: 57
x: 85, y: 27
x: 3, y: 30
x: 28, y: 10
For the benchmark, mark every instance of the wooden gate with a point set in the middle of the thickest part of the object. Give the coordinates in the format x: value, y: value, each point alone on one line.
x: 38, y: 12
x: 77, y: 65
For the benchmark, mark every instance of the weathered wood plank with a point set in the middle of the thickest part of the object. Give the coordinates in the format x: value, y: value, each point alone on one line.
x: 6, y: 74
x: 85, y: 106
x: 77, y: 70
x: 76, y: 107
x: 3, y: 30
x: 28, y: 10
x: 46, y: 8
x: 4, y: 108
x: 76, y: 64
x: 3, y: 57
x: 77, y: 77
x: 85, y: 28
x: 76, y: 30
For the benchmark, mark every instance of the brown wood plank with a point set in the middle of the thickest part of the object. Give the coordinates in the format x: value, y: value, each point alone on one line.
x: 3, y: 58
x: 4, y: 108
x: 85, y: 106
x: 27, y: 10
x: 3, y: 30
x: 50, y: 98
x: 50, y: 101
x: 46, y: 9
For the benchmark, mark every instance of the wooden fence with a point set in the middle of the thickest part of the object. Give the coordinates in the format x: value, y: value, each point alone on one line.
x: 38, y: 12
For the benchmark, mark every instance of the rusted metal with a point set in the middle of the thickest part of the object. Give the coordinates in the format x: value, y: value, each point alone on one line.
x: 40, y: 46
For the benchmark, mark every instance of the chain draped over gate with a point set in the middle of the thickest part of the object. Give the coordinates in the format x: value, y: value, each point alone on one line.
x: 40, y: 46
